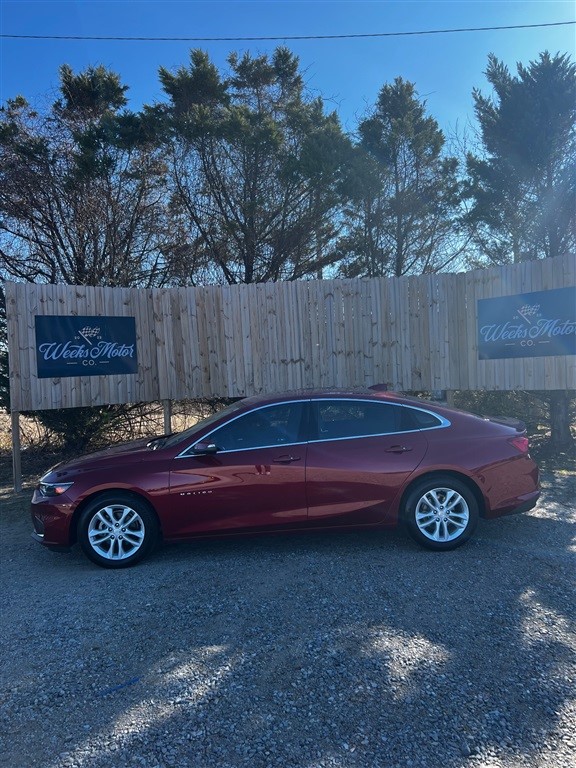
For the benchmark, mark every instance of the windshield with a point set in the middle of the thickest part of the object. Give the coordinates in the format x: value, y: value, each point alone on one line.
x: 188, y: 434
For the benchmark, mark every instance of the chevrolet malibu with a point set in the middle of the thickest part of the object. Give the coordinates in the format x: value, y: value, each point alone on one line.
x: 293, y: 462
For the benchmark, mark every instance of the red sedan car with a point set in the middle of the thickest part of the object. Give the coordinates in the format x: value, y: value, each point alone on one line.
x: 292, y: 462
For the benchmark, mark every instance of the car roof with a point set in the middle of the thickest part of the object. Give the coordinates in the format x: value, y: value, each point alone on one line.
x: 315, y: 394
x: 369, y: 393
x: 379, y: 393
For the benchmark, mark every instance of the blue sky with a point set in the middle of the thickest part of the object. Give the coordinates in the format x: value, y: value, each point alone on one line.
x: 347, y: 73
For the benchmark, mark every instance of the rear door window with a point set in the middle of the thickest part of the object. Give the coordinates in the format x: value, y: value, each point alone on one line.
x: 341, y: 419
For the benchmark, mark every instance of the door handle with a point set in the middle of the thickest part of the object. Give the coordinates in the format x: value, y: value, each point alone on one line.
x: 286, y: 459
x: 397, y: 449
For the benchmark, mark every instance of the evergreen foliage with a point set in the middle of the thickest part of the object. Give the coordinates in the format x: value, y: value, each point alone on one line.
x: 523, y: 183
x: 405, y: 217
x: 258, y: 170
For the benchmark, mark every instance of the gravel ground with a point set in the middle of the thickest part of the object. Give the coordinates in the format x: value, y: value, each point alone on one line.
x: 308, y: 652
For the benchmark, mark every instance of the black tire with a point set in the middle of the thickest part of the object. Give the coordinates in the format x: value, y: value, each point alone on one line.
x: 117, y: 530
x: 441, y: 513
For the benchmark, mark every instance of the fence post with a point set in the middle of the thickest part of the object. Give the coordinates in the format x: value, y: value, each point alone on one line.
x: 167, y: 408
x: 16, y: 455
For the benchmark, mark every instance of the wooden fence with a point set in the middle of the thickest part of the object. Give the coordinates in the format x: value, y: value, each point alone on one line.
x: 411, y: 333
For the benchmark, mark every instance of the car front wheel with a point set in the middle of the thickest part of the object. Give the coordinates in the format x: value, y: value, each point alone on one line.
x: 117, y: 530
x: 441, y: 513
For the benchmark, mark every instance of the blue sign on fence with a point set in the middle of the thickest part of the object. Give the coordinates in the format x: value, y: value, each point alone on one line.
x: 85, y: 346
x: 538, y: 324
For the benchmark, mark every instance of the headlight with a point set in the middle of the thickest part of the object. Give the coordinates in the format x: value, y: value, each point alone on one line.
x: 53, y: 489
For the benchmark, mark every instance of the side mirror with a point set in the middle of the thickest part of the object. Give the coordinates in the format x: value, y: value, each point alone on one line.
x: 203, y: 449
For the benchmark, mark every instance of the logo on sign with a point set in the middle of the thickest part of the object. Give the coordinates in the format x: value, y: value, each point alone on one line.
x: 528, y: 325
x: 80, y: 346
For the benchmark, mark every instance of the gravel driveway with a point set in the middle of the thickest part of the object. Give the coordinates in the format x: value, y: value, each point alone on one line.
x: 313, y: 651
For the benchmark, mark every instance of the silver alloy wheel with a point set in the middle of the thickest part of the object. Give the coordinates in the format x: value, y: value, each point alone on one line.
x: 116, y: 532
x: 442, y: 514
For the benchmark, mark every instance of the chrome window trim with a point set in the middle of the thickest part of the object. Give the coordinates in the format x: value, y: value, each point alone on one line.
x: 443, y: 422
x: 186, y: 454
x: 239, y: 450
x: 365, y: 437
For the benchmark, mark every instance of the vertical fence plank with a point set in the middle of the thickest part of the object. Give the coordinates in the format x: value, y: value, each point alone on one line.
x: 421, y: 321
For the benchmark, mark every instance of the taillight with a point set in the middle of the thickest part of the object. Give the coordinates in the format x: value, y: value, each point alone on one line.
x: 520, y: 443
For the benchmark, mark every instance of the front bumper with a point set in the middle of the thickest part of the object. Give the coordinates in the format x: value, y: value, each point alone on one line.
x: 54, y: 547
x: 51, y: 521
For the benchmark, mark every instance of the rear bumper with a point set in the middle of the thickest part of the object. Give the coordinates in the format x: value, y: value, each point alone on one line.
x: 523, y: 504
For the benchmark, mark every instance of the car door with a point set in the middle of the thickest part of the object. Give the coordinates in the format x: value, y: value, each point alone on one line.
x: 255, y: 479
x: 359, y: 456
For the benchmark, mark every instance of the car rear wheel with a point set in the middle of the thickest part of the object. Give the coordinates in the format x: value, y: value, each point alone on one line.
x: 441, y: 513
x: 117, y: 530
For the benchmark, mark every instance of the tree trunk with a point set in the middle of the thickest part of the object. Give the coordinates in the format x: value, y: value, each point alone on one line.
x: 561, y: 435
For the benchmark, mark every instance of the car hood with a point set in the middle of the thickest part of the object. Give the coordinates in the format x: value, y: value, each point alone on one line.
x: 134, y: 450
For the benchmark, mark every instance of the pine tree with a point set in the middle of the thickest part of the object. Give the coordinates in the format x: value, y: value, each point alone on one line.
x: 523, y: 185
x: 257, y: 169
x: 404, y: 220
